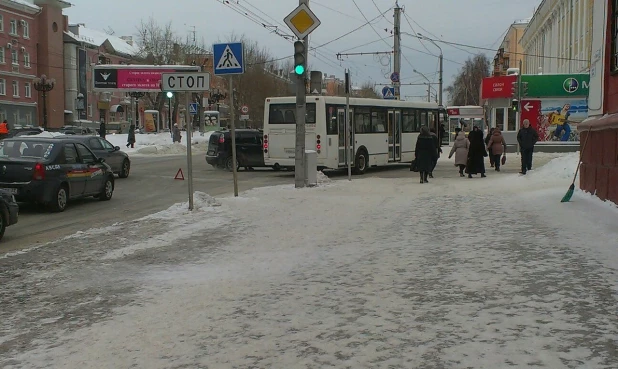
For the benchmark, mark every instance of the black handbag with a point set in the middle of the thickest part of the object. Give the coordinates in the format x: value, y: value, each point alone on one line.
x: 413, y: 166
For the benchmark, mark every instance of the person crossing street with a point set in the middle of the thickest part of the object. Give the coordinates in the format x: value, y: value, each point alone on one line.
x: 527, y: 137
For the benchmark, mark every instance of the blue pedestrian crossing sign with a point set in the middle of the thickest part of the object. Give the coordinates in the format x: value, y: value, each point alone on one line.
x: 193, y: 109
x: 229, y: 58
x: 388, y: 93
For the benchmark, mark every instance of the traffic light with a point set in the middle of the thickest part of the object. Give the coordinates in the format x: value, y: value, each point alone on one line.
x: 524, y: 89
x: 515, y: 89
x: 169, y: 94
x: 515, y: 105
x: 299, y: 58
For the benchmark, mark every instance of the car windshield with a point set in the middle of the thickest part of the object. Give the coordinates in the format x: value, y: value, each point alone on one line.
x: 25, y: 150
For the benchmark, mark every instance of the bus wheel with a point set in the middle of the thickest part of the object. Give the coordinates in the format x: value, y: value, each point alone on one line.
x: 361, y: 162
x: 277, y: 167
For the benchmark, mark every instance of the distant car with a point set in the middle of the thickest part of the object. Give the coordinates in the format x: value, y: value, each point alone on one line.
x: 249, y: 152
x: 53, y: 171
x: 75, y: 130
x: 25, y: 131
x: 9, y: 211
x: 118, y: 160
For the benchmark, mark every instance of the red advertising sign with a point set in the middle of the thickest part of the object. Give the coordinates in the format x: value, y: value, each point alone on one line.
x: 142, y: 79
x: 452, y: 111
x: 531, y: 110
x: 497, y: 87
x: 108, y: 77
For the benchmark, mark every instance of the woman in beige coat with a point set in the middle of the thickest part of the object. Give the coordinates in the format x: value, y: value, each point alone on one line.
x: 460, y: 149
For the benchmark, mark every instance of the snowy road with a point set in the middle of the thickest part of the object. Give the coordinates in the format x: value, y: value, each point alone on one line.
x: 379, y: 273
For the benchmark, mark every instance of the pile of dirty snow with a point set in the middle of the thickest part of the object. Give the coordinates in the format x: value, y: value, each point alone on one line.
x: 562, y: 167
x: 160, y: 143
x: 323, y: 179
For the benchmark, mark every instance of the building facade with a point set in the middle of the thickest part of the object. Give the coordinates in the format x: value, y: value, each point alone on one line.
x: 510, y: 52
x: 558, y: 38
x: 18, y: 62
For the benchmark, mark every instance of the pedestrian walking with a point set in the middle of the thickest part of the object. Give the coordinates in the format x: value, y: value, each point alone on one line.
x: 491, y: 158
x: 460, y: 150
x: 426, y: 153
x: 442, y: 134
x: 131, y: 136
x: 102, y: 129
x: 476, y: 153
x: 176, y: 133
x: 527, y: 137
x: 436, y: 140
x: 496, y: 146
x: 4, y: 129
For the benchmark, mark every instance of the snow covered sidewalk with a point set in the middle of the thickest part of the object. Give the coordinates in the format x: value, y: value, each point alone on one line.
x: 376, y: 273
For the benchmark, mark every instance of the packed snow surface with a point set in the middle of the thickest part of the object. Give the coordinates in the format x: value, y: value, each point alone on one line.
x: 159, y: 143
x: 372, y: 273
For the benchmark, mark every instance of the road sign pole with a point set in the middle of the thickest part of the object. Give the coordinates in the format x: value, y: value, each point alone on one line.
x: 233, y: 134
x: 348, y: 130
x: 299, y: 157
x: 189, y: 126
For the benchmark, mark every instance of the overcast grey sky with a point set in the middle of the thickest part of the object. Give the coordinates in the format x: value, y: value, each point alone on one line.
x: 474, y: 22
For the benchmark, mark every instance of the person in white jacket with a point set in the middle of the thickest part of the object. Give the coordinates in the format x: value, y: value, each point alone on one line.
x: 460, y: 150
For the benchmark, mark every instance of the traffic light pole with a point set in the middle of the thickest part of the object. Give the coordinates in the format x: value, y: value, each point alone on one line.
x: 301, y: 108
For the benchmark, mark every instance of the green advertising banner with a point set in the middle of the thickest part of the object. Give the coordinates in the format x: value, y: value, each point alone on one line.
x: 556, y: 85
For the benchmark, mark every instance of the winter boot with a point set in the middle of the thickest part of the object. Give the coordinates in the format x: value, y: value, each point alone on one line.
x: 469, y: 175
x: 483, y: 175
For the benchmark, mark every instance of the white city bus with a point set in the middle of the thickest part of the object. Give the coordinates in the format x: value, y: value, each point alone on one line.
x: 382, y: 131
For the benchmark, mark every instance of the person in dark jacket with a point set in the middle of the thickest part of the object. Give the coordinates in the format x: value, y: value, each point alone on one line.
x: 476, y: 153
x: 527, y: 137
x: 436, y: 140
x: 491, y: 158
x: 131, y: 136
x: 426, y: 153
x: 102, y: 129
x: 176, y: 137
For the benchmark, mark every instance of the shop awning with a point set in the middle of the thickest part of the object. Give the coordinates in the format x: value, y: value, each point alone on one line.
x: 116, y: 109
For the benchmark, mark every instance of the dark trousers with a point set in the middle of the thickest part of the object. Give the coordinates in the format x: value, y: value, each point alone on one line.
x: 526, y: 159
x: 496, y: 160
x: 492, y: 162
x: 423, y: 176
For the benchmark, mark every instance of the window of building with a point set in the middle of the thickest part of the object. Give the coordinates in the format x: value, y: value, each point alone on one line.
x: 15, y: 89
x: 26, y: 60
x: 3, y: 115
x: 27, y: 89
x: 2, y: 86
x: 2, y: 61
x: 1, y: 23
x: 14, y: 57
x: 614, y: 62
x: 28, y: 118
x: 13, y: 30
x: 26, y: 29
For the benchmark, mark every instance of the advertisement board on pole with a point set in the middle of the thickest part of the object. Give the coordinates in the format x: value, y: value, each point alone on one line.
x: 144, y: 78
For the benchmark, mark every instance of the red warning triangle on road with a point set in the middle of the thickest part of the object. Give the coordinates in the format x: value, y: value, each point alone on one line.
x: 179, y: 175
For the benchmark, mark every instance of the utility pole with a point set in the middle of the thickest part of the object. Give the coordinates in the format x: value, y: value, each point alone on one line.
x: 440, y: 78
x: 301, y: 110
x: 428, y: 92
x: 397, y: 50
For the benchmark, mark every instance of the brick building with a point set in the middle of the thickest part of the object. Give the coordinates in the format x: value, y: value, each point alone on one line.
x: 599, y: 170
x: 510, y: 52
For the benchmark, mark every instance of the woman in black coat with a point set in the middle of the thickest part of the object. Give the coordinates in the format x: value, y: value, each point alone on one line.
x: 476, y: 153
x: 131, y: 136
x: 426, y: 153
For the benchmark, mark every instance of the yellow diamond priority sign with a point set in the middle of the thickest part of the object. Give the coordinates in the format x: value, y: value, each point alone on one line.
x: 302, y: 21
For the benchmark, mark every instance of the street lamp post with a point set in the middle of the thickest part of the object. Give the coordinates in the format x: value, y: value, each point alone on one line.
x: 441, y: 58
x: 169, y: 109
x: 44, y: 84
x: 428, y: 84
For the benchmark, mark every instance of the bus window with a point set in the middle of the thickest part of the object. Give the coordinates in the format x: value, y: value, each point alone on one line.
x: 378, y: 120
x: 410, y: 121
x: 286, y: 114
x: 362, y: 120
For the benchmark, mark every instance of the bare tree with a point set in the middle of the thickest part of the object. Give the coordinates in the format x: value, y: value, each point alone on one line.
x: 465, y: 89
x: 367, y: 90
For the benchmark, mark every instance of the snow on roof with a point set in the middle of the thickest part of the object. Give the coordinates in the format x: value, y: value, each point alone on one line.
x: 27, y: 3
x: 98, y: 38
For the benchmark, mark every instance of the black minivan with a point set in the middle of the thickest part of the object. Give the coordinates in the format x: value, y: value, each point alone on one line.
x: 249, y: 151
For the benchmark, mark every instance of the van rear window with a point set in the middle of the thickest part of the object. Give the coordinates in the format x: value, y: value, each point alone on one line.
x: 286, y: 114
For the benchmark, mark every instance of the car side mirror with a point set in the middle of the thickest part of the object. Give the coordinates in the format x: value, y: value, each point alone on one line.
x: 116, y: 148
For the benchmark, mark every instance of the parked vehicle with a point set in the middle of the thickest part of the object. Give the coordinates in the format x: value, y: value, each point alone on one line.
x: 118, y: 160
x: 248, y: 149
x: 25, y: 131
x: 75, y: 130
x: 9, y: 211
x: 52, y: 171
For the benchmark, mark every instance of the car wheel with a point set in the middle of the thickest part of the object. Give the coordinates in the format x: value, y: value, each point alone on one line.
x: 108, y: 190
x: 126, y: 169
x: 4, y: 221
x: 60, y: 201
x: 360, y: 164
x: 229, y: 164
x: 277, y: 167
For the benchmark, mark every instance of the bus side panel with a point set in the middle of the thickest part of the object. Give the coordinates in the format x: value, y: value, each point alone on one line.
x: 408, y: 144
x: 377, y: 147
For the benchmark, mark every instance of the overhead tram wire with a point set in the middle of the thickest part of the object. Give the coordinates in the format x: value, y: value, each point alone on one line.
x: 405, y: 16
x: 371, y: 25
x: 386, y: 19
x: 433, y: 35
x: 423, y: 52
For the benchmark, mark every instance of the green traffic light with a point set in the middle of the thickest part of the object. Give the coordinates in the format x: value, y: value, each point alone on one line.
x: 299, y: 69
x: 170, y: 95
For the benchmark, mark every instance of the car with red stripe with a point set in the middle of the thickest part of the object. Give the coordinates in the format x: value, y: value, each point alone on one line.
x: 53, y: 171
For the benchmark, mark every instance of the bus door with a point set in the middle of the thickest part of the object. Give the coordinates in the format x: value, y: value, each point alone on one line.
x: 394, y: 135
x: 341, y: 124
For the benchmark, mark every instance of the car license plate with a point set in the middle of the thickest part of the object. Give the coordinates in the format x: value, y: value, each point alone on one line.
x: 290, y: 151
x: 13, y: 191
x: 210, y: 153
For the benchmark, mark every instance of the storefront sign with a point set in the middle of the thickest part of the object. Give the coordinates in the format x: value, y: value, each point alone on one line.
x: 557, y: 85
x: 497, y: 87
x: 145, y: 78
